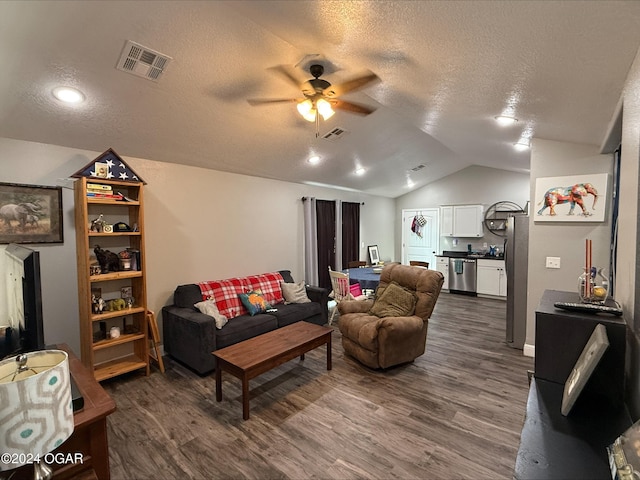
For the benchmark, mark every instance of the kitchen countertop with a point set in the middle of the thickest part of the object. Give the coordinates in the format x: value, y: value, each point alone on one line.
x: 472, y: 255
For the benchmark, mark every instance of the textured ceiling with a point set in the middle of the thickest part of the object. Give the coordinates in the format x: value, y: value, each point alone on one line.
x: 446, y: 69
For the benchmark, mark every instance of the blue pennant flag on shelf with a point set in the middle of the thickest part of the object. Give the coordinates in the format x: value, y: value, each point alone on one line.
x: 109, y: 166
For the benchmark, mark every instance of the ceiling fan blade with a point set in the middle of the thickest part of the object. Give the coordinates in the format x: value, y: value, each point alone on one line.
x: 355, y: 83
x: 352, y: 107
x: 290, y: 73
x: 267, y: 101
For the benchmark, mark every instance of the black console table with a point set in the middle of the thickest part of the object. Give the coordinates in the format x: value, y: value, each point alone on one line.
x: 553, y: 446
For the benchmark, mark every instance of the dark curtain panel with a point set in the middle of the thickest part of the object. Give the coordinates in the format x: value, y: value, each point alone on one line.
x: 350, y: 232
x: 613, y: 252
x: 326, y: 220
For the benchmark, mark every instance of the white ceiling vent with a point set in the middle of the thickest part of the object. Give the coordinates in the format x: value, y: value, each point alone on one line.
x: 142, y: 61
x: 418, y: 167
x: 335, y: 134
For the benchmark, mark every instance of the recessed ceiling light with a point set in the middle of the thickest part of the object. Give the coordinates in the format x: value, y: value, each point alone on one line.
x: 505, y: 120
x: 410, y: 184
x: 314, y: 160
x: 68, y: 95
x: 360, y: 171
x: 521, y: 145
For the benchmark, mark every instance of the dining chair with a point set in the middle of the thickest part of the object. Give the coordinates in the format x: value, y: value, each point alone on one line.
x: 340, y: 287
x: 356, y: 264
x: 417, y: 263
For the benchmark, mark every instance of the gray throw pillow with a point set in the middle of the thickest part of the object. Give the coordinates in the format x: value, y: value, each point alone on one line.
x: 294, y: 293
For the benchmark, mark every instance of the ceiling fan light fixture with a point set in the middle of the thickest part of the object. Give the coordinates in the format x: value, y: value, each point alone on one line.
x: 305, y: 108
x: 324, y: 109
x: 505, y: 120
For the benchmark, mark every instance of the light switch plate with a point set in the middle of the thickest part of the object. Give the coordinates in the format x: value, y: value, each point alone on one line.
x: 553, y: 262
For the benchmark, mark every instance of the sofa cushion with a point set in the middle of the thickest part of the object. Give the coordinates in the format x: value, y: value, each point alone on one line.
x: 208, y: 307
x: 295, y: 312
x: 244, y: 327
x: 295, y: 293
x: 254, y: 302
x: 225, y: 293
x: 269, y: 285
x: 395, y: 301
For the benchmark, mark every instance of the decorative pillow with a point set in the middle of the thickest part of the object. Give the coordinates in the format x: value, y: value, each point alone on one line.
x: 355, y: 289
x: 394, y: 301
x: 254, y: 302
x: 294, y: 293
x: 225, y: 293
x: 269, y: 285
x: 208, y: 307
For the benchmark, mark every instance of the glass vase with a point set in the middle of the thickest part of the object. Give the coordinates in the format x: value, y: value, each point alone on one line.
x: 593, y: 286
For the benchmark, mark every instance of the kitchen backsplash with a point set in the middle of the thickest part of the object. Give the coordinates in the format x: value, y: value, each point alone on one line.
x: 477, y: 245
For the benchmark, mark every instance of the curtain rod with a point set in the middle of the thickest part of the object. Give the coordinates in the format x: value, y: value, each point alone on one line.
x: 304, y: 199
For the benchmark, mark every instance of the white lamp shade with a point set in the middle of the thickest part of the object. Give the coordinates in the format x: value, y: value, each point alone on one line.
x: 36, y: 413
x: 307, y: 111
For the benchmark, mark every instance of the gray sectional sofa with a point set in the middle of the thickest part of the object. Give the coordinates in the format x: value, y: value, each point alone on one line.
x: 190, y: 336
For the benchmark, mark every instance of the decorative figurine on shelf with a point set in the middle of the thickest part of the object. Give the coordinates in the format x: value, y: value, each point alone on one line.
x: 117, y: 304
x: 98, y: 304
x: 108, y: 260
x: 97, y: 224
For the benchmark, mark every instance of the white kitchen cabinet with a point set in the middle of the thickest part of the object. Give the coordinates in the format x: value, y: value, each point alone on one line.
x: 446, y: 221
x: 491, y: 278
x: 442, y: 265
x: 461, y: 220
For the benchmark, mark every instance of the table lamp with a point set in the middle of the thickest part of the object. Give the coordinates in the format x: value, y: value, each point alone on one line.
x: 36, y: 413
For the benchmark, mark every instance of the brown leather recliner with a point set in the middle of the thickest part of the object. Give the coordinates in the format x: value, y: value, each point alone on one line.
x: 383, y: 342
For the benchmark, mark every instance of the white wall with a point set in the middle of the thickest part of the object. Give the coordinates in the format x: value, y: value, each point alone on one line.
x: 564, y: 240
x: 628, y: 265
x: 474, y: 185
x: 200, y: 225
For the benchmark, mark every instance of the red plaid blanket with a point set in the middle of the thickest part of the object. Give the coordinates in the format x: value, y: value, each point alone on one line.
x: 269, y: 285
x: 225, y: 292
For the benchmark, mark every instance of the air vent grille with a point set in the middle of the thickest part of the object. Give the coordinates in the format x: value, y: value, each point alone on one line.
x: 418, y: 167
x: 142, y: 61
x: 335, y: 134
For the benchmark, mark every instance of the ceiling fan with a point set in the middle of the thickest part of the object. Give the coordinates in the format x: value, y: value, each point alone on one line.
x: 321, y: 97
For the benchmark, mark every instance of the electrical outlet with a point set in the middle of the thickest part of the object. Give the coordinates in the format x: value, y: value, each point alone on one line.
x: 553, y: 262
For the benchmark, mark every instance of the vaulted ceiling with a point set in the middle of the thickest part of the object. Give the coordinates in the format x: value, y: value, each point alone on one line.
x: 446, y: 69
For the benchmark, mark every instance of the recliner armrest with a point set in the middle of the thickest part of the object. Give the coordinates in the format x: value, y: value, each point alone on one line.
x: 354, y: 306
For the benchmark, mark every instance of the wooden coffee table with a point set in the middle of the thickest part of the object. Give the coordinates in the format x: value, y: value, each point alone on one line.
x: 248, y: 359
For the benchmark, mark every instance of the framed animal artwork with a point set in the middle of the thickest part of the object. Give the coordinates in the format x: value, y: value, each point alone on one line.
x: 575, y: 198
x: 30, y: 214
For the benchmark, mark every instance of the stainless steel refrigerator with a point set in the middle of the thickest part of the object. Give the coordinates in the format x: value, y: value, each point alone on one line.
x: 516, y: 253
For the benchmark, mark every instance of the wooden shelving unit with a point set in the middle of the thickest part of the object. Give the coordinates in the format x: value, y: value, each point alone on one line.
x: 110, y: 357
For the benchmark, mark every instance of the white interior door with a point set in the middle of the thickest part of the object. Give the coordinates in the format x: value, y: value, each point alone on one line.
x: 420, y: 242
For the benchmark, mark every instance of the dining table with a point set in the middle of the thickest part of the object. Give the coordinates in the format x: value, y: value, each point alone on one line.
x: 365, y: 276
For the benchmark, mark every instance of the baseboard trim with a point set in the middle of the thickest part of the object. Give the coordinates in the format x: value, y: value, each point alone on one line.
x: 529, y: 350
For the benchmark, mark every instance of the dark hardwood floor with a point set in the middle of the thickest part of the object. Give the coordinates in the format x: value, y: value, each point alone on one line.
x: 454, y: 413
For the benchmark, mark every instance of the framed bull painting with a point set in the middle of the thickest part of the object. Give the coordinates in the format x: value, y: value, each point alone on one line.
x: 576, y: 198
x: 30, y: 214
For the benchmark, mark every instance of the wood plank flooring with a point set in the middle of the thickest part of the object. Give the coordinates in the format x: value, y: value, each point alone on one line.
x: 454, y: 413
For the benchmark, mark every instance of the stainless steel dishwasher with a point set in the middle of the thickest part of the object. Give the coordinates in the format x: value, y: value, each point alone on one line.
x: 462, y: 275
